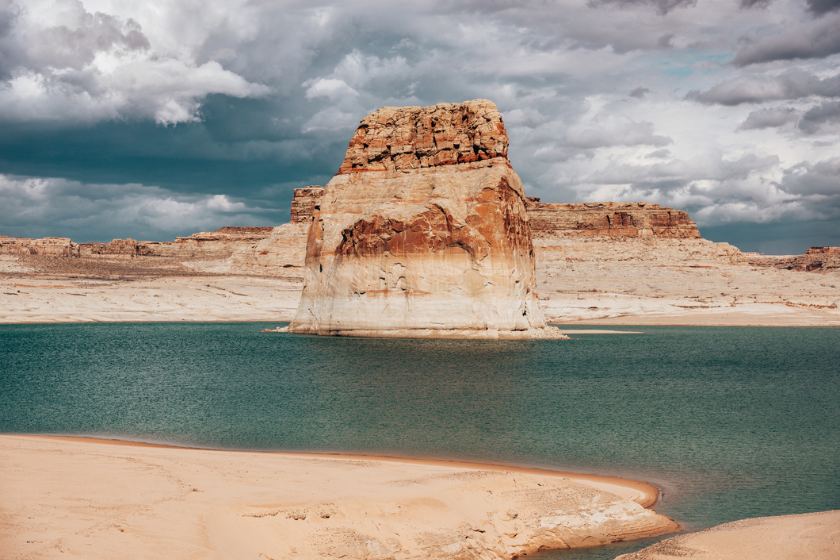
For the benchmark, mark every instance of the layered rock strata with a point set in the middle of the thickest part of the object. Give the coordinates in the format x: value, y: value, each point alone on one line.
x: 423, y: 232
x: 610, y: 219
x: 304, y: 201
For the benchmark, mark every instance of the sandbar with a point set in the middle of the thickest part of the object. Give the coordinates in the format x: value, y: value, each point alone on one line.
x: 809, y: 536
x: 63, y: 496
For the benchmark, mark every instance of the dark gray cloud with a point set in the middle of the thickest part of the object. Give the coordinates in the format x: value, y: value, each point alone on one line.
x: 754, y: 3
x: 820, y: 7
x: 769, y: 118
x: 662, y: 6
x: 639, y: 92
x: 820, y: 118
x: 792, y: 84
x: 775, y: 238
x: 817, y: 39
x: 821, y: 179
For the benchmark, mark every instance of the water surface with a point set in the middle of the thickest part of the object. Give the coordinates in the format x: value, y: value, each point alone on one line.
x: 729, y: 422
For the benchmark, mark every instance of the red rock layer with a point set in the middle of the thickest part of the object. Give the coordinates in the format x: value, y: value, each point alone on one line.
x: 404, y: 138
x: 610, y: 219
x: 495, y: 226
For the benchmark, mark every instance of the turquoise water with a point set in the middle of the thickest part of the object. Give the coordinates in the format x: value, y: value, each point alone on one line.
x: 729, y: 422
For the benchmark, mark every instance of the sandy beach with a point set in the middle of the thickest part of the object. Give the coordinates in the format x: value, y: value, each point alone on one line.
x: 809, y: 536
x: 87, y: 498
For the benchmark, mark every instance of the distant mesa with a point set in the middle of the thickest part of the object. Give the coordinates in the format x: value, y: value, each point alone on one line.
x: 423, y: 233
x: 610, y: 219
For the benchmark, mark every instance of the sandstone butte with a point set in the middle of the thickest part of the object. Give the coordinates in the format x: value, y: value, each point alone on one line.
x: 423, y: 232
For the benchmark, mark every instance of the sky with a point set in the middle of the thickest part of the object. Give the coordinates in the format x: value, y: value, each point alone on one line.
x: 152, y: 119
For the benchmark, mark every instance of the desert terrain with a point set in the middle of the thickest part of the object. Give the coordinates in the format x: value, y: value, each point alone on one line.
x: 588, y: 271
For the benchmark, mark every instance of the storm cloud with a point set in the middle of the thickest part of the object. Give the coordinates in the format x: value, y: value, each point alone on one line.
x: 808, y: 39
x: 792, y: 84
x: 126, y: 115
x: 769, y: 118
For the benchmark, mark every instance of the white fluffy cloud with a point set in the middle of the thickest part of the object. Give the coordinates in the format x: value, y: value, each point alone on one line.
x: 64, y: 63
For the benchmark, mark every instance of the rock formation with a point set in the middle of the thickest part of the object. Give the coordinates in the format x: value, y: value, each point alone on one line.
x: 303, y: 203
x: 423, y: 232
x: 815, y: 259
x: 47, y: 246
x: 610, y: 219
x: 219, y: 244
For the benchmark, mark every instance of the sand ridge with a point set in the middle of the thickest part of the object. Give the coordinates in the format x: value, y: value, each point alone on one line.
x: 65, y: 496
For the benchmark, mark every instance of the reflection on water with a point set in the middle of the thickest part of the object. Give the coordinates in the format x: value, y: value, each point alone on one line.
x: 730, y: 422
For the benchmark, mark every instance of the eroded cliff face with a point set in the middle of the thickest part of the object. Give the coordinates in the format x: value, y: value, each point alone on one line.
x: 423, y: 232
x: 610, y: 219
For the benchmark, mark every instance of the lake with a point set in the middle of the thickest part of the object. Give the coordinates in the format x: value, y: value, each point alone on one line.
x: 729, y: 422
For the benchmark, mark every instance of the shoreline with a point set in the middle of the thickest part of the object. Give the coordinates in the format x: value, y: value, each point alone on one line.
x: 630, y: 321
x: 645, y: 494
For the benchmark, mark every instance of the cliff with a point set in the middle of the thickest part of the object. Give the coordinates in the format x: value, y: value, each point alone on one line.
x: 610, y: 219
x: 423, y: 232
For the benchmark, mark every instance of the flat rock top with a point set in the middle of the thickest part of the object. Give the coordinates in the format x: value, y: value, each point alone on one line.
x: 405, y: 138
